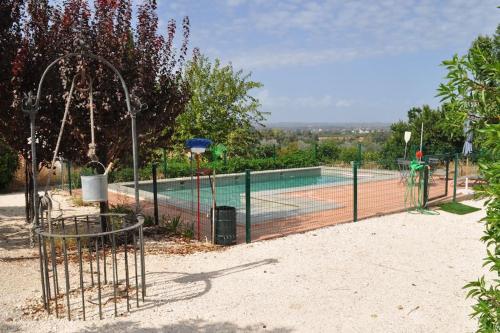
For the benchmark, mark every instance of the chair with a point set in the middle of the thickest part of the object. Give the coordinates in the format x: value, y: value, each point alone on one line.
x: 404, y: 169
x: 433, y: 163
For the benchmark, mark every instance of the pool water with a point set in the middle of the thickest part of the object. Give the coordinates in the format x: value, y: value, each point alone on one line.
x: 231, y: 194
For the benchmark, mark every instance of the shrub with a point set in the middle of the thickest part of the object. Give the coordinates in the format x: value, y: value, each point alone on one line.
x: 9, y: 162
x: 486, y: 292
x: 348, y: 154
x: 328, y: 151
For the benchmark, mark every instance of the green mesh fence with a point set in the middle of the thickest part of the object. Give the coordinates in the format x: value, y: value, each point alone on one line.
x: 279, y: 202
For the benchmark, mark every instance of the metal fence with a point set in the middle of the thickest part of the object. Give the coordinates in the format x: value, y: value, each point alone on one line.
x: 279, y: 202
x: 89, y: 261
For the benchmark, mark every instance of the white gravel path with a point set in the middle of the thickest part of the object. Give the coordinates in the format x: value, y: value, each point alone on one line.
x: 397, y: 273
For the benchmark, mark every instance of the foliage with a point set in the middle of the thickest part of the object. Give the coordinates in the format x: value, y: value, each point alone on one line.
x: 221, y: 107
x: 149, y: 221
x: 328, y: 150
x: 188, y: 233
x: 35, y: 33
x: 121, y: 209
x: 265, y: 151
x: 8, y: 165
x: 173, y: 224
x: 487, y: 292
x: 438, y: 138
x: 472, y: 89
x: 290, y: 148
x: 349, y: 154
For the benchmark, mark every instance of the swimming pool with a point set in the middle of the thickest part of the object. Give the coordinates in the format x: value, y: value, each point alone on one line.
x: 229, y: 192
x: 274, y: 194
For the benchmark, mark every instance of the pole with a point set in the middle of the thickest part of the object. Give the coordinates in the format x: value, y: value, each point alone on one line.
x: 425, y: 194
x: 421, y: 138
x: 69, y: 178
x: 214, y: 207
x: 447, y: 176
x: 192, y: 189
x: 34, y: 167
x: 135, y: 153
x: 198, y: 191
x: 247, y: 207
x: 355, y: 190
x: 455, y: 176
x: 155, y: 194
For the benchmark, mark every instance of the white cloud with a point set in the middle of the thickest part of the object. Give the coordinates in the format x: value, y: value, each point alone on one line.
x: 343, y: 103
x: 291, y: 32
x: 324, y: 102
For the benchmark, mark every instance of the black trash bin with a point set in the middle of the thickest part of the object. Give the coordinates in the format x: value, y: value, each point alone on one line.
x: 225, y: 225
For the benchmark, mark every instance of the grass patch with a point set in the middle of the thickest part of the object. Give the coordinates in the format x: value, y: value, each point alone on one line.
x: 458, y: 208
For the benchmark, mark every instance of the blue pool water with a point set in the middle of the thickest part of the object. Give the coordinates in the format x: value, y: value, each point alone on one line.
x: 229, y: 194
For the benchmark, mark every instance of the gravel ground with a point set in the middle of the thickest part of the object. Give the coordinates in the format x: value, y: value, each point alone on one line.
x: 396, y: 273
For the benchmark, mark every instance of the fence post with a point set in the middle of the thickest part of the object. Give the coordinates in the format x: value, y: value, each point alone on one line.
x: 155, y: 194
x: 247, y: 207
x: 355, y: 190
x: 425, y: 195
x: 69, y: 178
x: 455, y: 176
x: 164, y: 162
x: 447, y: 176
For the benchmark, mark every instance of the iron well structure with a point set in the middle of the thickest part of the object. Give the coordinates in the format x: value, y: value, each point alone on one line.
x: 78, y: 254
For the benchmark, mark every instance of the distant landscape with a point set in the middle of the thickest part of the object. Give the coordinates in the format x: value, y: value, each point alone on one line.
x: 329, y: 126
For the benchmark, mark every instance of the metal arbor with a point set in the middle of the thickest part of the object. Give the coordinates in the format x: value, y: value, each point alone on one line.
x: 64, y: 240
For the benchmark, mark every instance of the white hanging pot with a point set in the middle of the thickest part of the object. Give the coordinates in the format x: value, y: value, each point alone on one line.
x: 95, y: 187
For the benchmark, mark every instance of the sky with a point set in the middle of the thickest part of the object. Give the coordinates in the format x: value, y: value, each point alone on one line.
x: 337, y: 60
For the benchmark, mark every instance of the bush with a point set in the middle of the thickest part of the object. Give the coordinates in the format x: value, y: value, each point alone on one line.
x: 486, y: 291
x: 348, y: 154
x: 328, y: 151
x: 9, y: 162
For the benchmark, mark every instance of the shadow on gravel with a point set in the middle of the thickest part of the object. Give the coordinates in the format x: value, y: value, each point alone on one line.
x: 169, y: 287
x: 14, y: 236
x: 8, y: 327
x: 193, y: 325
x: 8, y: 212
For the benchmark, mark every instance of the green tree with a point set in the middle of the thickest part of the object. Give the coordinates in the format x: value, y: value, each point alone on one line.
x: 472, y: 91
x: 221, y: 107
x: 438, y: 136
x: 328, y: 150
x: 472, y: 88
x: 486, y: 292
